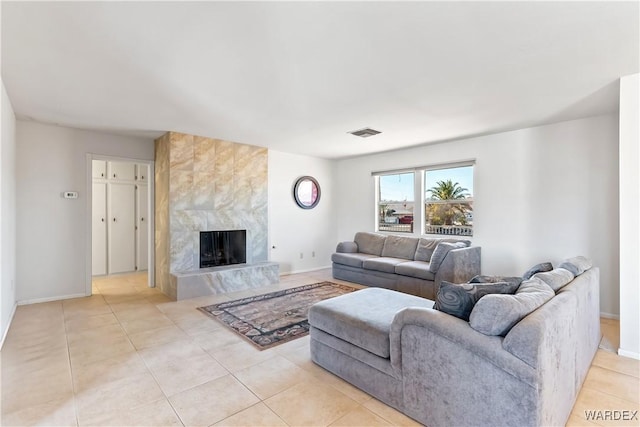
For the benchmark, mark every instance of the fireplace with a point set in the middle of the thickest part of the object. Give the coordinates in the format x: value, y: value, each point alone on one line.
x: 223, y: 248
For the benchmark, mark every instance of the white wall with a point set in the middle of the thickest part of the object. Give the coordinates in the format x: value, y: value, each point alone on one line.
x: 52, y: 231
x: 629, y: 216
x: 540, y: 194
x: 293, y: 230
x: 7, y: 215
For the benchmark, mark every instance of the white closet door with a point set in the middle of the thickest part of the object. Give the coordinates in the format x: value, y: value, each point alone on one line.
x: 99, y: 169
x: 122, y: 171
x: 142, y: 234
x: 142, y: 173
x: 122, y: 234
x: 99, y: 229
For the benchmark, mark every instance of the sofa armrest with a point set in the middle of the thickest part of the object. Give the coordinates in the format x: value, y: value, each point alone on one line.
x: 442, y: 359
x: 347, y: 247
x: 458, y: 332
x: 458, y: 266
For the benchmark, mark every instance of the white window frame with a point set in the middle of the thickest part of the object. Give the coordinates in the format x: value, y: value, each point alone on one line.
x: 419, y: 217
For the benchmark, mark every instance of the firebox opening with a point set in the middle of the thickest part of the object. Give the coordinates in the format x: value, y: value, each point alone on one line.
x: 223, y: 248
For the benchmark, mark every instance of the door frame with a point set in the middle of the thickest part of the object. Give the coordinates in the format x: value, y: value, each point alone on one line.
x: 151, y: 281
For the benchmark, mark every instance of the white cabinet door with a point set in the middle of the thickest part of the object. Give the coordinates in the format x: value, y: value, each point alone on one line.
x: 142, y: 232
x: 142, y: 172
x: 99, y: 229
x: 99, y: 169
x: 122, y: 234
x: 122, y: 171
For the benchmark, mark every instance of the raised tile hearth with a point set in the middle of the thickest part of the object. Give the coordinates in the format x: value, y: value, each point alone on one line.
x: 220, y: 280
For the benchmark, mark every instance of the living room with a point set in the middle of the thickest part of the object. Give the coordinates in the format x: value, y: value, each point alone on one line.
x: 555, y: 182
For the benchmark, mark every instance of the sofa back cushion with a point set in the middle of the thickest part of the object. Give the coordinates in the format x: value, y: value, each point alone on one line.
x: 556, y: 278
x: 400, y: 247
x: 543, y: 266
x: 577, y: 265
x: 426, y: 246
x: 459, y: 300
x: 370, y: 243
x: 497, y: 314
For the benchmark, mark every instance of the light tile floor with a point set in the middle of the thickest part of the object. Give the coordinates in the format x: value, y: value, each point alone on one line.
x: 128, y: 356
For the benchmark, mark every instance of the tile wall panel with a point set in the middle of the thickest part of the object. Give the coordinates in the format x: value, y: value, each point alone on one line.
x: 207, y: 184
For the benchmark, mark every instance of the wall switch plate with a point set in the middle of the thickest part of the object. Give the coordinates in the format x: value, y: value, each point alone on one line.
x: 70, y: 194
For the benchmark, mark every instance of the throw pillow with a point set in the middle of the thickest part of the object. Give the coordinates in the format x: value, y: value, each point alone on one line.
x: 538, y: 268
x: 458, y: 300
x: 556, y: 278
x: 440, y: 252
x: 577, y: 265
x: 425, y: 249
x: 495, y: 279
x: 497, y: 314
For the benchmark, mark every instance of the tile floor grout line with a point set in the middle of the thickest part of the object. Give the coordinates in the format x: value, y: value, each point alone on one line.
x: 615, y: 371
x: 585, y: 386
x: 73, y: 386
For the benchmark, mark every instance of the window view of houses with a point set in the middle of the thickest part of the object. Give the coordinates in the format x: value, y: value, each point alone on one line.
x: 447, y: 201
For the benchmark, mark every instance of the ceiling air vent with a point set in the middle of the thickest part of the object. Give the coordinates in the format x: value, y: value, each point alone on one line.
x: 365, y: 133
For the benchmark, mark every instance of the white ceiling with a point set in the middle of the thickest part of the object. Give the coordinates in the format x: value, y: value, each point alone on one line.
x: 297, y: 76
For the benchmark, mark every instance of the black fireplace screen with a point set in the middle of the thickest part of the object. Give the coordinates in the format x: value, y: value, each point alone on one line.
x: 222, y: 248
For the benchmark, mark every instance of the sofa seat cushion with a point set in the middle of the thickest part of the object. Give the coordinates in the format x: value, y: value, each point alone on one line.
x: 417, y: 269
x: 353, y: 260
x: 363, y: 318
x: 384, y: 264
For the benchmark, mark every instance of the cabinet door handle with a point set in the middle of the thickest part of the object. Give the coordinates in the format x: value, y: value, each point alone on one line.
x: 102, y: 219
x: 142, y: 177
x: 114, y: 175
x: 102, y: 174
x: 141, y: 219
x: 114, y: 220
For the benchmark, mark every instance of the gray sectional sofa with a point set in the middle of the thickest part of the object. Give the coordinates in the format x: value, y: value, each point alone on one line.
x: 411, y: 265
x: 525, y: 368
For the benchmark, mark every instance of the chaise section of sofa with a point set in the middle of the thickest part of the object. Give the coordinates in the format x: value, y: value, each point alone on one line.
x: 442, y: 370
x: 411, y: 265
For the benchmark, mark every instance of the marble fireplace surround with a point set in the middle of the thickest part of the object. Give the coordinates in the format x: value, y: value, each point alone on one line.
x: 206, y: 184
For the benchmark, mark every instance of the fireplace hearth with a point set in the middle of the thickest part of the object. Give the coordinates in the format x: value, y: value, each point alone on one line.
x: 226, y: 247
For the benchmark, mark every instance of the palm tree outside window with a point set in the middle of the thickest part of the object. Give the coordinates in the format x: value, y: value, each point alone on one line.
x: 448, y: 203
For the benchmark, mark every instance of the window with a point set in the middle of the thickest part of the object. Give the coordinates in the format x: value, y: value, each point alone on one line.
x: 396, y: 202
x: 444, y: 191
x: 448, y: 201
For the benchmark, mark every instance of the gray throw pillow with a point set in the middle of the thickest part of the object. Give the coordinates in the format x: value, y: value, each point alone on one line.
x: 497, y: 314
x: 425, y: 249
x: 458, y: 300
x: 577, y: 265
x: 495, y: 279
x: 556, y: 278
x: 440, y: 252
x: 538, y: 268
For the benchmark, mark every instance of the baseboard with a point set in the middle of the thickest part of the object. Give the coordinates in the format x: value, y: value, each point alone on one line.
x: 630, y: 354
x: 49, y: 299
x: 6, y: 331
x: 304, y: 271
x: 610, y: 316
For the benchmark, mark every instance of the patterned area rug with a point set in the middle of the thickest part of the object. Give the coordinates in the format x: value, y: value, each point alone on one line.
x: 275, y: 318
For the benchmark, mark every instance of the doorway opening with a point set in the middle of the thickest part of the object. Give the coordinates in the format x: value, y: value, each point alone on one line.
x: 122, y: 219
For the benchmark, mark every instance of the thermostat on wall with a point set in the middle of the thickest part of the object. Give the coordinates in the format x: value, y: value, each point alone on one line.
x: 70, y: 194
